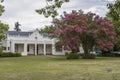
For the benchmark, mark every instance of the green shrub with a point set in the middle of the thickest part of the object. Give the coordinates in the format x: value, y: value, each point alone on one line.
x: 0, y: 49
x: 72, y: 55
x: 9, y: 54
x: 17, y: 54
x: 116, y: 54
x: 88, y: 56
x: 106, y: 54
x: 6, y: 54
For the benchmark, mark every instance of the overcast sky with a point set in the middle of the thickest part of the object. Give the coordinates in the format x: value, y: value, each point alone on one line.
x: 23, y: 11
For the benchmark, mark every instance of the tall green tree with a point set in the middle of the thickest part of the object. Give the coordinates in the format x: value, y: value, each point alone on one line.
x: 51, y: 8
x: 3, y: 27
x: 114, y: 16
x: 47, y: 29
x: 1, y: 7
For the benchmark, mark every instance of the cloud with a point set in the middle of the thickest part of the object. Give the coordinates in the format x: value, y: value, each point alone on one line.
x: 99, y: 10
x: 95, y: 6
x: 23, y: 11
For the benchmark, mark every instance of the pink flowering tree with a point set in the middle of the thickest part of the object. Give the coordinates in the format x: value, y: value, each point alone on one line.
x: 86, y: 29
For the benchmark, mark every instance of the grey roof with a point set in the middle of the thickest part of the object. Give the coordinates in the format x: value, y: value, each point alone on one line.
x: 21, y: 33
x: 18, y: 33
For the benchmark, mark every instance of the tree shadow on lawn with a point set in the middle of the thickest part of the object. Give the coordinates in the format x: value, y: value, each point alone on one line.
x: 52, y: 57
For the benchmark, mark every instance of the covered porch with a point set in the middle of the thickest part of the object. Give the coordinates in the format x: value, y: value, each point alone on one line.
x: 32, y: 49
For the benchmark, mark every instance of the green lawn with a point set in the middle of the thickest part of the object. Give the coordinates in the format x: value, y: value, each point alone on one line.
x: 58, y: 68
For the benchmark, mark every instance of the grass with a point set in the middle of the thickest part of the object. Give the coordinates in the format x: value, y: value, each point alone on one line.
x: 58, y: 68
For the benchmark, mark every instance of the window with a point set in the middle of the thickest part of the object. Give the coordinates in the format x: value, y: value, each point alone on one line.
x: 58, y: 48
x: 4, y: 48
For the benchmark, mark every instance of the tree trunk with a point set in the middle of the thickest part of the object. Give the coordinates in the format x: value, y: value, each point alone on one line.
x: 86, y: 51
x: 86, y: 48
x: 75, y: 51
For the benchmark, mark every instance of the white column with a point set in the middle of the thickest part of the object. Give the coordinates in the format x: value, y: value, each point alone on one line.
x: 6, y: 46
x: 12, y: 47
x: 35, y: 49
x: 63, y: 51
x: 81, y: 49
x: 53, y: 49
x: 44, y: 49
x: 25, y: 50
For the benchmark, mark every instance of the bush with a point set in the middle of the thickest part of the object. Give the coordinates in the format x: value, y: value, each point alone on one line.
x: 116, y: 54
x: 109, y: 55
x: 72, y: 55
x: 9, y: 54
x: 0, y: 49
x: 6, y: 54
x: 88, y: 56
x: 16, y: 54
x: 106, y: 54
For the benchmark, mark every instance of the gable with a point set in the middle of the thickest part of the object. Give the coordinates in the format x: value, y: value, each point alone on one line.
x: 39, y: 35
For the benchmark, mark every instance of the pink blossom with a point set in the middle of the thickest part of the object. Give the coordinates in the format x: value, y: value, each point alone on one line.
x: 78, y: 28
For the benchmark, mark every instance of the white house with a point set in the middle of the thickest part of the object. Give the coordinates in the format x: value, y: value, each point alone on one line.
x: 30, y: 43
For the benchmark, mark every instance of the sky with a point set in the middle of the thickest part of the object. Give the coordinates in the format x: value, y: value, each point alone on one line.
x: 23, y: 11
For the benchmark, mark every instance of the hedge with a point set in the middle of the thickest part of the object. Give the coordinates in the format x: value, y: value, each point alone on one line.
x: 72, y: 55
x: 10, y: 54
x: 88, y: 56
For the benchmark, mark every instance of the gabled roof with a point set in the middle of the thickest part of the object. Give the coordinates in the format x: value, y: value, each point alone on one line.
x: 23, y: 33
x: 18, y: 33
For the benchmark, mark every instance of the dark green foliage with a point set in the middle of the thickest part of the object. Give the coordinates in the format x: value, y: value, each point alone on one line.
x: 106, y: 55
x: 0, y: 49
x: 116, y: 54
x: 9, y: 54
x: 47, y: 29
x: 114, y: 15
x: 51, y: 8
x: 116, y: 47
x: 88, y: 56
x: 114, y: 10
x: 72, y: 55
x: 109, y: 54
x: 1, y: 7
x: 16, y: 54
x: 3, y: 27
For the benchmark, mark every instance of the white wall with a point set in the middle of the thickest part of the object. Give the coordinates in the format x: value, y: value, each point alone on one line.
x: 29, y: 40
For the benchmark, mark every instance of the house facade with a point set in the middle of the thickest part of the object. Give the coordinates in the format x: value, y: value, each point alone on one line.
x: 30, y: 43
